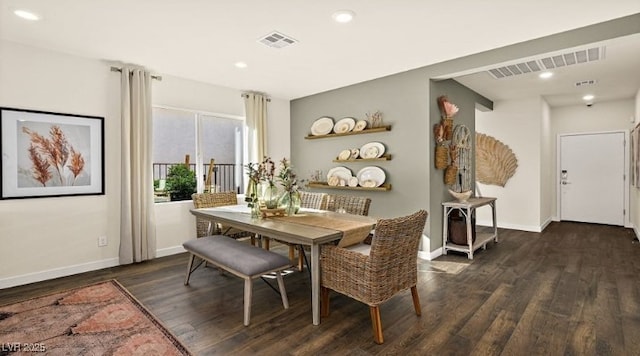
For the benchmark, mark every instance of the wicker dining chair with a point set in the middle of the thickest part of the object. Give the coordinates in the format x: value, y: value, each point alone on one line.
x: 389, y: 267
x: 212, y: 200
x: 312, y: 200
x: 351, y: 204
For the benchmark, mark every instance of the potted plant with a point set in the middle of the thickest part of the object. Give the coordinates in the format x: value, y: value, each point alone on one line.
x: 181, y: 182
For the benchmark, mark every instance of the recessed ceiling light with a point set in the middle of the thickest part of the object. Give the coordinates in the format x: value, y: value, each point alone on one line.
x: 241, y: 65
x: 27, y: 15
x: 343, y: 16
x: 545, y: 75
x: 588, y: 97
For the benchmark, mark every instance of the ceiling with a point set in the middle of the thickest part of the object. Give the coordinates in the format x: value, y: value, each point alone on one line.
x: 615, y: 76
x: 202, y: 39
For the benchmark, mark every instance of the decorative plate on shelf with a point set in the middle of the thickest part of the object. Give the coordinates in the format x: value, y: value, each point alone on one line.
x: 344, y: 125
x: 360, y: 125
x: 344, y: 155
x: 343, y: 174
x: 355, y: 152
x: 322, y: 126
x: 372, y: 150
x: 371, y: 177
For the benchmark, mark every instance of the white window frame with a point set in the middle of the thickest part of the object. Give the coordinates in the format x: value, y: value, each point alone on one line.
x: 199, y: 159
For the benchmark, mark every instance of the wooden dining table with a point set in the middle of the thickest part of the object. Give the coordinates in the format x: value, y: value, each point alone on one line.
x: 292, y: 229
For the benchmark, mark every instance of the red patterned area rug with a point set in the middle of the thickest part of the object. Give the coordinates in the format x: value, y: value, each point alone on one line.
x: 100, y: 319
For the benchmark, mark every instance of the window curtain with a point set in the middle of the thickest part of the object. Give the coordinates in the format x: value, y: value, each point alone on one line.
x: 137, y: 220
x: 255, y: 107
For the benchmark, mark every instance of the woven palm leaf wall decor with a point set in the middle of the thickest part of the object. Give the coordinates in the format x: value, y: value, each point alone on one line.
x: 495, y: 162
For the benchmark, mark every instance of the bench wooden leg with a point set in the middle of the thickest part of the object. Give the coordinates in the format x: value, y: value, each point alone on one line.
x: 186, y: 280
x: 248, y: 283
x: 300, y: 258
x: 283, y: 292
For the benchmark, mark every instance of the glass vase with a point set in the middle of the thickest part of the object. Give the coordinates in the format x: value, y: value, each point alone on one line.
x: 255, y: 211
x: 290, y: 202
x: 251, y: 197
x: 268, y: 195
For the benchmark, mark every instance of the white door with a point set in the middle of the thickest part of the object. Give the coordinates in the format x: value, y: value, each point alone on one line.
x: 592, y: 178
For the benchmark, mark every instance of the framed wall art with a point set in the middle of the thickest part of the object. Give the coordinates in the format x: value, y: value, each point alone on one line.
x: 46, y: 154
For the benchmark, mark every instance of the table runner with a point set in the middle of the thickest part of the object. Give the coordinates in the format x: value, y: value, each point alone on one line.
x: 353, y: 232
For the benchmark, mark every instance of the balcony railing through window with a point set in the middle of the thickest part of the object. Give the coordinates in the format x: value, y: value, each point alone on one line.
x: 224, y: 175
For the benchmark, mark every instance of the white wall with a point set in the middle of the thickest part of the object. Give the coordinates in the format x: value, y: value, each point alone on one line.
x: 516, y: 123
x: 634, y: 193
x: 51, y: 237
x: 546, y: 175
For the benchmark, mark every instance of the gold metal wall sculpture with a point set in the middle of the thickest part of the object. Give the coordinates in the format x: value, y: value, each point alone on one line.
x: 495, y: 162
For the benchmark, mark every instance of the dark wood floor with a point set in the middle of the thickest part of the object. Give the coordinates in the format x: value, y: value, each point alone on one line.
x: 572, y: 290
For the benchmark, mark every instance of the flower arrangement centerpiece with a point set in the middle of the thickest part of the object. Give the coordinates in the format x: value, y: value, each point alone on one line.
x: 263, y: 192
x: 290, y: 199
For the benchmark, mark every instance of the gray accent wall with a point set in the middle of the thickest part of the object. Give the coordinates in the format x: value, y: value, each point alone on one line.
x: 403, y: 100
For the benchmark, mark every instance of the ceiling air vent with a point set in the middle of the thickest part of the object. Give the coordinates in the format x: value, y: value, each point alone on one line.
x: 276, y: 40
x: 551, y: 62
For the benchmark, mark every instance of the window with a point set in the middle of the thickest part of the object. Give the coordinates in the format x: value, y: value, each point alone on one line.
x: 181, y: 135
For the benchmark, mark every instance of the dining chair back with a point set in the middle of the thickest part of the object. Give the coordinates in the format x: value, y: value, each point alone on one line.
x: 389, y: 267
x: 356, y: 205
x: 312, y: 200
x: 212, y: 200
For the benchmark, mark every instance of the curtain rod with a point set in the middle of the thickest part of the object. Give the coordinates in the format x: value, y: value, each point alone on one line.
x: 156, y: 77
x: 245, y: 95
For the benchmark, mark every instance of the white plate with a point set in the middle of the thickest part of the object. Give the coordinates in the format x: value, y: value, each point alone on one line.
x: 360, y: 125
x: 343, y: 173
x: 371, y: 176
x: 322, y: 126
x: 355, y: 152
x: 344, y: 125
x: 344, y: 155
x: 372, y: 150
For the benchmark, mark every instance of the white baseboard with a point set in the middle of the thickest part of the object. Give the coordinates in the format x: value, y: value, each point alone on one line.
x: 75, y: 269
x: 635, y: 230
x: 530, y: 228
x: 168, y: 251
x: 426, y: 255
x: 57, y: 273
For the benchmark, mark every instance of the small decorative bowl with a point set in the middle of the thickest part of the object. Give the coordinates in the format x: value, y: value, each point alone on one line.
x: 461, y: 196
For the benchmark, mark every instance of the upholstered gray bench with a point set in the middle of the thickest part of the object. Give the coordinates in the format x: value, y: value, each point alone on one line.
x: 239, y: 258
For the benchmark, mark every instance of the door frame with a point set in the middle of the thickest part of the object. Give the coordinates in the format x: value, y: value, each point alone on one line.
x: 626, y: 219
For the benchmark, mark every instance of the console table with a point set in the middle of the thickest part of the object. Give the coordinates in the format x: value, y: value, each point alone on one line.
x: 466, y: 209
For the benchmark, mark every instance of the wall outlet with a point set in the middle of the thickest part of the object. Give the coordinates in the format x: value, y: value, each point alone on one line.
x: 102, y: 241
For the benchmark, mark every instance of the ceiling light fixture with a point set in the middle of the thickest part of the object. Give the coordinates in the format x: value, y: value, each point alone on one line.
x: 545, y: 75
x: 588, y: 97
x: 27, y: 15
x: 241, y: 65
x: 343, y: 16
